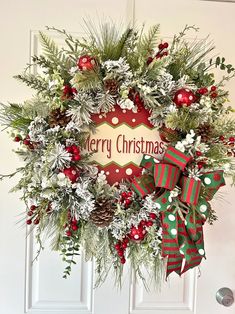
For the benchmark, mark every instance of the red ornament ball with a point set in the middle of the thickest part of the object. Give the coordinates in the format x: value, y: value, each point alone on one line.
x: 86, y: 63
x: 184, y: 97
x: 72, y: 173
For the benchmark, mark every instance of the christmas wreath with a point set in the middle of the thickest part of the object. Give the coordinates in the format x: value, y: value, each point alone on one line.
x: 154, y: 218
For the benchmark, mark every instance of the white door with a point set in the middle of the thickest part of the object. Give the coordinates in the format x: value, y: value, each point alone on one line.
x: 40, y: 289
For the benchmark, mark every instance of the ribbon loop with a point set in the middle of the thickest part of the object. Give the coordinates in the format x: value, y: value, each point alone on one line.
x: 182, y: 236
x: 166, y: 176
x: 190, y: 190
x: 176, y: 157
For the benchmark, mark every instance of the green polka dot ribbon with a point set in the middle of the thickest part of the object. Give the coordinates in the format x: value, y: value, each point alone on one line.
x: 182, y: 233
x: 182, y: 239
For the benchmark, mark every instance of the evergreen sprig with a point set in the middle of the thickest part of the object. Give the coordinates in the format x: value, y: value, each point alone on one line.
x: 33, y: 81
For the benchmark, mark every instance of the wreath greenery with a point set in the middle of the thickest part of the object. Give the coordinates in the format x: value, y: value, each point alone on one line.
x: 155, y: 220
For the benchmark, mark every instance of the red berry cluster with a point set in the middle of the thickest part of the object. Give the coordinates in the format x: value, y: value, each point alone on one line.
x: 121, y: 247
x: 33, y: 215
x: 74, y: 151
x: 162, y: 52
x: 202, y: 162
x: 205, y: 91
x: 138, y: 233
x: 135, y: 97
x: 26, y: 141
x: 71, y: 226
x: 69, y: 92
x: 126, y: 199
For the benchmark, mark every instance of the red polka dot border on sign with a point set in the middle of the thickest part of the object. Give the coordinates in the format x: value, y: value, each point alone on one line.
x: 114, y: 173
x: 118, y: 116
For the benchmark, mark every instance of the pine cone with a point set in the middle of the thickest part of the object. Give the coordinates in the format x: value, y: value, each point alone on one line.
x: 111, y: 86
x: 205, y: 131
x: 58, y: 117
x: 102, y: 216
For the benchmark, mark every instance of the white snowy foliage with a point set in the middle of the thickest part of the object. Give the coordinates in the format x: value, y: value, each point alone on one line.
x: 58, y: 157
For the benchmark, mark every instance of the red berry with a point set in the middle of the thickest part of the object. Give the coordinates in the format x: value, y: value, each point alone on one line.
x: 69, y: 149
x: 165, y: 45
x: 200, y: 91
x: 76, y: 157
x: 158, y: 56
x: 33, y: 207
x: 123, y: 260
x: 222, y: 138
x: 124, y: 245
x: 213, y: 88
x: 75, y: 149
x: 214, y: 95
x: 120, y: 252
x: 68, y: 233
x: 124, y: 194
x: 117, y: 246
x: 198, y: 153
x: 149, y: 223
x: 17, y: 139
x: 232, y: 139
x: 36, y: 221
x: 142, y: 223
x: 200, y: 164
x: 165, y: 53
x: 73, y: 90
x: 129, y: 194
x: 26, y: 142
x: 152, y: 216
x: 161, y: 46
x: 28, y: 221
x: 149, y: 60
x: 74, y: 227
x: 128, y: 201
x: 30, y: 213
x: 205, y: 90
x: 126, y: 240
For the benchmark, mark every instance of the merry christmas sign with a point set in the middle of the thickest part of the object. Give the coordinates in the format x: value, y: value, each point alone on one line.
x: 122, y: 137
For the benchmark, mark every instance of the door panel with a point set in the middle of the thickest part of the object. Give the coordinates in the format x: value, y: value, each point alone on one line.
x: 39, y: 288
